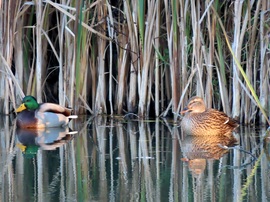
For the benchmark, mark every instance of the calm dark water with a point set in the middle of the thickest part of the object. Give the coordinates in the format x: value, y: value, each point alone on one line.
x: 120, y: 160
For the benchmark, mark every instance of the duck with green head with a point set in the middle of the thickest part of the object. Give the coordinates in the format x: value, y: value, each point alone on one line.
x: 31, y: 114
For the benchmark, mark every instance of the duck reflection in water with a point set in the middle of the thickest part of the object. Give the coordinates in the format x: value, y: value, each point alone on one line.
x: 197, y: 149
x: 45, y: 139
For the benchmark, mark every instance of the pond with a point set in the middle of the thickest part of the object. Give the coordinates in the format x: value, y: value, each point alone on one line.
x: 105, y: 159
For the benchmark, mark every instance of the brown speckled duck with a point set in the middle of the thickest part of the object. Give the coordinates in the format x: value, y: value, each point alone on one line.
x: 198, y: 120
x: 31, y: 114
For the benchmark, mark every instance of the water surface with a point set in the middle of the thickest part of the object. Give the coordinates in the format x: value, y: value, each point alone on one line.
x: 128, y: 160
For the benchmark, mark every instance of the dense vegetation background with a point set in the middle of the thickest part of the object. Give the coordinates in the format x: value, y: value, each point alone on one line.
x: 142, y: 57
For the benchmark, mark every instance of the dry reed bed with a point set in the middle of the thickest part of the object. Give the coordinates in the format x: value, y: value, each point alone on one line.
x: 143, y: 57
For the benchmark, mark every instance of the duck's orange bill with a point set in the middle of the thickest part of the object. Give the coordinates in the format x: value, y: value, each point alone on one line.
x: 21, y: 108
x: 184, y: 110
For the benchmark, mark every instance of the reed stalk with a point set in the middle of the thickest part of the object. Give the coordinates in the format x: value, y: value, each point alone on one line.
x: 133, y: 36
x: 145, y: 75
x: 100, y: 102
x: 110, y: 25
x: 209, y: 53
x: 221, y: 72
x: 39, y: 61
x: 61, y: 23
x: 78, y: 45
x: 157, y: 63
x: 184, y: 34
x: 175, y: 71
x: 264, y: 62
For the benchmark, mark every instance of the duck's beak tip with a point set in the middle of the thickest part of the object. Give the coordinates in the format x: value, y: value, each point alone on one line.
x: 185, y: 110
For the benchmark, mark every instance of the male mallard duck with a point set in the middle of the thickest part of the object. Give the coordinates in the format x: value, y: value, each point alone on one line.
x: 46, y: 115
x: 198, y: 120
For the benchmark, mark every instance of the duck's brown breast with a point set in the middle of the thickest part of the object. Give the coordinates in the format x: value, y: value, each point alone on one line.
x: 26, y: 119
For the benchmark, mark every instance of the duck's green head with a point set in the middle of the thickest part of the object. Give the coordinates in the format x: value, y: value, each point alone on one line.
x: 28, y: 102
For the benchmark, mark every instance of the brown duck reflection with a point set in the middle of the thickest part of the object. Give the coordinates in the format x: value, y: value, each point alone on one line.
x: 45, y: 139
x: 197, y: 149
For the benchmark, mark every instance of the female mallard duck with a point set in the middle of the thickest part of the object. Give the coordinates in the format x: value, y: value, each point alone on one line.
x: 46, y: 115
x: 198, y: 120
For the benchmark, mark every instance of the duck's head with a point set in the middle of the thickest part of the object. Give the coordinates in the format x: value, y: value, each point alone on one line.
x: 195, y: 105
x: 29, y: 103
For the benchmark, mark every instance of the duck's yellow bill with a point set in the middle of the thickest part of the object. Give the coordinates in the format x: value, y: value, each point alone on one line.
x: 21, y: 108
x: 21, y: 146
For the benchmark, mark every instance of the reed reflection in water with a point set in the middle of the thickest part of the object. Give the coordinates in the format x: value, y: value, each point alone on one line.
x: 123, y: 160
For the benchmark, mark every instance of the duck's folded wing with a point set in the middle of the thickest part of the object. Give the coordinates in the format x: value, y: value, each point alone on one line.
x: 222, y: 118
x: 55, y: 108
